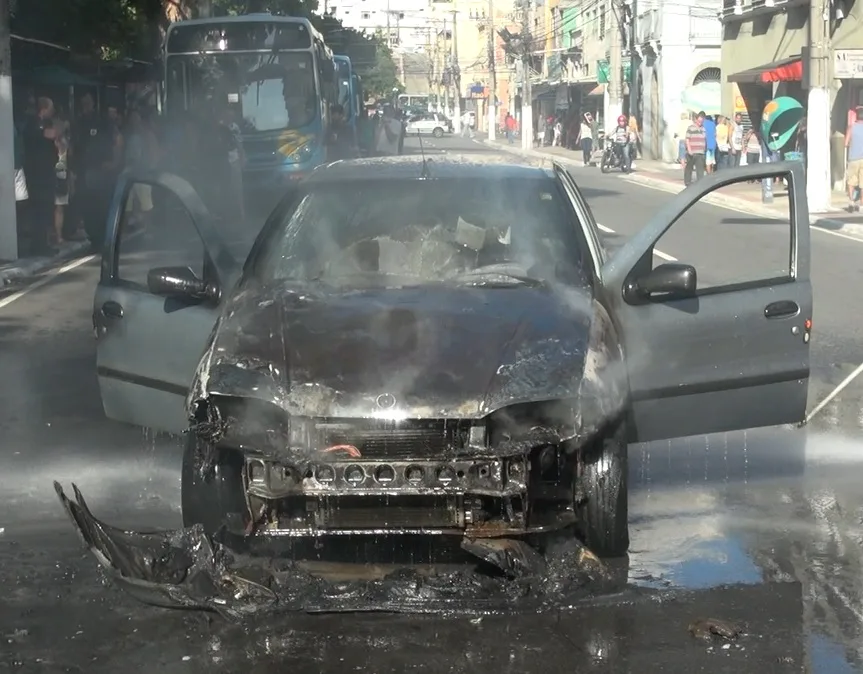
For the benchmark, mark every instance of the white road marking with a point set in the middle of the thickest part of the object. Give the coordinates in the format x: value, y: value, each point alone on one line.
x: 813, y: 217
x: 46, y: 279
x: 658, y: 253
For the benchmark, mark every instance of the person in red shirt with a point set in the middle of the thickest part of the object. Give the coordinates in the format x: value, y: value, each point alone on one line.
x: 510, y: 126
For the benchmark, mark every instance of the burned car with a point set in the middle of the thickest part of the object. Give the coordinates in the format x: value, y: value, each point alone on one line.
x: 440, y: 348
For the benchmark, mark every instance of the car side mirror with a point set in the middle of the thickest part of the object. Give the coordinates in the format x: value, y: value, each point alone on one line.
x: 671, y: 279
x: 181, y: 283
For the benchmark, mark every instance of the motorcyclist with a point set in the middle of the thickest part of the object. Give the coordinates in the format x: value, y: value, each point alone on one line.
x: 620, y: 141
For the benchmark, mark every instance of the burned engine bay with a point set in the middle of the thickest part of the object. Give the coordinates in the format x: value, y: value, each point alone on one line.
x: 187, y: 569
x: 307, y: 476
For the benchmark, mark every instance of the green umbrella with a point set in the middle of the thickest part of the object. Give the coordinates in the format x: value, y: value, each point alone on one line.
x: 780, y: 120
x: 705, y: 96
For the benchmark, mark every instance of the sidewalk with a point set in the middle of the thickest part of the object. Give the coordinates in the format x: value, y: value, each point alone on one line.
x: 669, y: 178
x: 30, y: 266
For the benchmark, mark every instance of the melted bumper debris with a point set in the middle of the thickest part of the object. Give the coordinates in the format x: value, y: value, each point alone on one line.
x: 187, y: 569
x: 708, y: 628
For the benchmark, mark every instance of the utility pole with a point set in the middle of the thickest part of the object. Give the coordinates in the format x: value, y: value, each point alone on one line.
x: 818, y: 178
x: 634, y: 60
x: 444, y: 80
x: 456, y: 77
x: 526, y: 93
x: 615, y: 67
x: 492, y: 76
x: 8, y: 225
x: 389, y: 40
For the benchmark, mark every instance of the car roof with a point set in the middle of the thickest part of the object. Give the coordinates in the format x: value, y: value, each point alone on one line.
x: 410, y: 167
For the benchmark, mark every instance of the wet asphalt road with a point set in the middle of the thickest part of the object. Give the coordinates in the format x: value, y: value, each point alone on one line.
x: 762, y: 528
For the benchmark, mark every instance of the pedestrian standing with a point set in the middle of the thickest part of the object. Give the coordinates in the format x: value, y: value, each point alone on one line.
x: 680, y: 135
x: 709, y: 126
x: 585, y: 138
x: 736, y: 141
x: 634, y: 141
x: 696, y: 148
x: 61, y: 174
x: 723, y: 142
x: 854, y: 172
x: 558, y: 132
x: 40, y: 160
x: 510, y: 126
x: 466, y: 126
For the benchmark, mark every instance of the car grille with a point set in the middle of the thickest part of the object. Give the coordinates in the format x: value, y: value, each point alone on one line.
x: 390, y: 513
x: 395, y: 440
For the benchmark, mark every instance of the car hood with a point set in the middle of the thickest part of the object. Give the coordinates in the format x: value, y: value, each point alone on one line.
x: 438, y: 352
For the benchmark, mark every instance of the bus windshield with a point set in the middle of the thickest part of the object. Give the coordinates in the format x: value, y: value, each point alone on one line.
x: 270, y: 91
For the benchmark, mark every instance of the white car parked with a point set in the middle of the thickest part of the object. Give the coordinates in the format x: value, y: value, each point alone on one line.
x: 429, y: 122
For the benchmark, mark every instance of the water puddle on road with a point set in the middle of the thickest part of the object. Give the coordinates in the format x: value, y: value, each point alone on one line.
x: 770, y: 505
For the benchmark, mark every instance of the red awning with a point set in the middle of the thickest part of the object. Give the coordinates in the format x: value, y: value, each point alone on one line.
x: 787, y: 70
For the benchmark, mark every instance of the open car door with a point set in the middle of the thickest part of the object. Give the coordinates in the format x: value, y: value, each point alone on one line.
x: 157, y: 298
x: 719, y: 358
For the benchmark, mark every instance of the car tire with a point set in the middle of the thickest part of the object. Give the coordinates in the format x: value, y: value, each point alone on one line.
x: 438, y: 132
x: 603, y: 493
x: 216, y: 499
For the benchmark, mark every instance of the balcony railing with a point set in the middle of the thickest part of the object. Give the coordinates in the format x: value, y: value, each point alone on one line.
x: 649, y: 26
x: 741, y: 10
x: 704, y: 29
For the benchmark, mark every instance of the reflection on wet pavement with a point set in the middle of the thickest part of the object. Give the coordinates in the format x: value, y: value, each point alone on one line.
x: 771, y: 505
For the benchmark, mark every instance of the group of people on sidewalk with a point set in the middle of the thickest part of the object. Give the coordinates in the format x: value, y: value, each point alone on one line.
x: 66, y: 169
x: 54, y: 159
x: 709, y: 143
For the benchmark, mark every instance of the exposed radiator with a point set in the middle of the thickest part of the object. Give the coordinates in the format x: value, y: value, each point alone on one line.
x: 382, y: 512
x: 395, y: 440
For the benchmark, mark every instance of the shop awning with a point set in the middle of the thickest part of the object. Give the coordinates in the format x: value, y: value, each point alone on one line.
x: 598, y: 90
x: 786, y: 70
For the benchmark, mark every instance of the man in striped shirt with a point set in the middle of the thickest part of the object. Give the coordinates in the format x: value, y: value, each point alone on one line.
x: 696, y: 146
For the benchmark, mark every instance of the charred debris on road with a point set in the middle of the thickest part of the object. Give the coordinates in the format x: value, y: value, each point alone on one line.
x: 187, y: 569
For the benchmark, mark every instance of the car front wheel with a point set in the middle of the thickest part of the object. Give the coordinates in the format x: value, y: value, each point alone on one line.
x: 602, y: 493
x: 217, y: 498
x: 438, y: 132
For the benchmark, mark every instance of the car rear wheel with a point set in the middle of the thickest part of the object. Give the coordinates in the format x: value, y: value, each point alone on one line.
x: 217, y: 498
x: 603, y: 494
x: 438, y: 132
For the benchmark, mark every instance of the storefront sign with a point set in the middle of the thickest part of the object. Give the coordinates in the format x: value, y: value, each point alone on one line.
x: 602, y: 68
x: 848, y: 64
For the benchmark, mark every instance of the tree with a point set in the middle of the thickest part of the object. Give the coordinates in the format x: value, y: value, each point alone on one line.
x: 382, y: 77
x: 112, y: 29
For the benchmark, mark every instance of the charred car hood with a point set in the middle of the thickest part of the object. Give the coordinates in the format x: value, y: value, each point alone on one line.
x: 428, y: 352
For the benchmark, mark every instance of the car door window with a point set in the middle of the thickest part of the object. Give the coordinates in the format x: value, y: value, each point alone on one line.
x: 718, y: 241
x: 716, y: 338
x: 155, y: 231
x: 583, y: 220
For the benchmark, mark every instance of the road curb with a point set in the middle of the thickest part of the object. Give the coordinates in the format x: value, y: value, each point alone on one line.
x: 533, y: 154
x: 826, y: 223
x: 28, y: 267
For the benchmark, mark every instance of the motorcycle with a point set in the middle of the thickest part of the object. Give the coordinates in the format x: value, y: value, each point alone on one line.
x: 612, y: 157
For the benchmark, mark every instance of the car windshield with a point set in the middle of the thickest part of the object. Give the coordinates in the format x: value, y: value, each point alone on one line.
x: 272, y: 91
x: 400, y: 233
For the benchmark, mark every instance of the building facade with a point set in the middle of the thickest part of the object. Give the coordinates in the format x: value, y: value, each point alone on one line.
x: 408, y: 22
x: 764, y: 51
x: 673, y: 47
x: 462, y: 55
x: 678, y: 48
